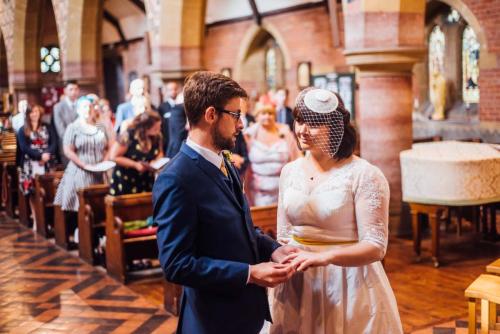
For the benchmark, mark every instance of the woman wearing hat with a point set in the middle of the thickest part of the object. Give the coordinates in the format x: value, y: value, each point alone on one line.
x: 334, y: 207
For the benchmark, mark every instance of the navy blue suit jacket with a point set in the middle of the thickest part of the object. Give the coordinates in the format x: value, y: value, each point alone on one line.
x: 206, y: 241
x: 177, y: 132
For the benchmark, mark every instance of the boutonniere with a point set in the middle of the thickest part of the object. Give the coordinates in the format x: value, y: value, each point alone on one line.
x: 228, y: 156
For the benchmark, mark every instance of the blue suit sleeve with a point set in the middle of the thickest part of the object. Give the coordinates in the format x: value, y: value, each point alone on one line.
x: 176, y: 215
x: 266, y: 245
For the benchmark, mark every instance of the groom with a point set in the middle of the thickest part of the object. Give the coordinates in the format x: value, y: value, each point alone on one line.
x: 206, y: 238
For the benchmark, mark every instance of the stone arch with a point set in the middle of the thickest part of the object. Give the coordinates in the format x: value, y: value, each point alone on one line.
x: 255, y: 32
x: 486, y: 59
x: 252, y: 41
x: 79, y: 25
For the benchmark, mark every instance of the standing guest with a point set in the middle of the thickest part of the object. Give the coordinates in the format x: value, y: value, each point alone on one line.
x: 85, y: 144
x: 176, y: 123
x: 37, y: 144
x: 246, y: 118
x: 140, y: 104
x: 106, y: 119
x: 270, y: 147
x: 133, y: 152
x: 283, y: 112
x: 126, y: 110
x: 165, y: 109
x: 18, y: 119
x: 64, y: 114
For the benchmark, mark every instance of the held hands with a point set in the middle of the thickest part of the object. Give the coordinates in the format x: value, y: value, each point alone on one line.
x: 303, y: 260
x: 270, y: 274
x: 45, y: 157
x: 143, y: 166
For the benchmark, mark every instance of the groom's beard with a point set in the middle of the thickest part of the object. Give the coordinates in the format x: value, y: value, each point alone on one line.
x: 219, y: 141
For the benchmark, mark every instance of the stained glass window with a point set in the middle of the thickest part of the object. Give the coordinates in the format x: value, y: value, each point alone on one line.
x: 436, y: 51
x: 50, y: 59
x: 470, y: 66
x: 271, y: 67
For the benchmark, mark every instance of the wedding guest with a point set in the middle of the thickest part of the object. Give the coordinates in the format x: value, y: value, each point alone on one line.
x: 64, y: 114
x: 129, y: 109
x: 283, y: 112
x: 85, y: 144
x: 335, y: 207
x: 133, y: 152
x: 37, y: 144
x: 106, y: 119
x: 270, y: 147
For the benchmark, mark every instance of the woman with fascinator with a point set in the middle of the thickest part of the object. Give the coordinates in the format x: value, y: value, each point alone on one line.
x: 334, y: 207
x: 85, y: 143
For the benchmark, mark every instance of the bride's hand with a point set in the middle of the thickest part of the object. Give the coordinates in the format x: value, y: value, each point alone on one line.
x: 304, y: 260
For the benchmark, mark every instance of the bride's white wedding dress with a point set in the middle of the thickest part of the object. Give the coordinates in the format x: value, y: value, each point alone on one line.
x: 348, y: 204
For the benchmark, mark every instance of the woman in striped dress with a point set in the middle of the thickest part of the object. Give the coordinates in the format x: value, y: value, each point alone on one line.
x: 85, y: 144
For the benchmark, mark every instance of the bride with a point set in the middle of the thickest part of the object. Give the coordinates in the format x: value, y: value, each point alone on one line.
x: 334, y: 207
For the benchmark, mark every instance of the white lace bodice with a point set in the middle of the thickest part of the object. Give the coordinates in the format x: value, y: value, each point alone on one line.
x: 349, y: 203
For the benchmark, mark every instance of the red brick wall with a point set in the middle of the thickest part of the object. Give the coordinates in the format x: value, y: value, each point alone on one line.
x: 306, y: 35
x: 487, y: 12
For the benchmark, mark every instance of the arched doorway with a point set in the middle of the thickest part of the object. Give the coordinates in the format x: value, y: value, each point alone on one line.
x: 263, y: 66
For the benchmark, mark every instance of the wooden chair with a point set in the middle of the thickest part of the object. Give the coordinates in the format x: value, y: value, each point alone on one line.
x: 91, y: 220
x: 44, y: 202
x: 487, y: 289
x: 265, y: 218
x: 494, y: 267
x: 122, y: 247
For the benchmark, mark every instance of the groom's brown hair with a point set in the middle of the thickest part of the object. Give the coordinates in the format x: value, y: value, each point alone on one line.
x: 208, y: 89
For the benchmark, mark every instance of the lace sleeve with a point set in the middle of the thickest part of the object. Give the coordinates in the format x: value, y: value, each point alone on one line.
x: 284, y: 226
x: 371, y: 199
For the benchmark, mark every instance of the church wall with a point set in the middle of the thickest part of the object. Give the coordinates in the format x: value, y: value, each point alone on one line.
x: 305, y: 33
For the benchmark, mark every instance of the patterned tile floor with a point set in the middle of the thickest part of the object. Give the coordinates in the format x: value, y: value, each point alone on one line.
x: 44, y: 289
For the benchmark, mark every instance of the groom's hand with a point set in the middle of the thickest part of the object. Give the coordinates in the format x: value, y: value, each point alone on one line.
x: 281, y: 253
x: 269, y: 274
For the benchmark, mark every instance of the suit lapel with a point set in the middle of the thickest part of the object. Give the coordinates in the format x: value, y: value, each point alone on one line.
x: 213, y: 172
x: 248, y: 222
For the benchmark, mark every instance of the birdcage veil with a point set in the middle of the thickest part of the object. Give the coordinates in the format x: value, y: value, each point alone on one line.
x: 319, y: 107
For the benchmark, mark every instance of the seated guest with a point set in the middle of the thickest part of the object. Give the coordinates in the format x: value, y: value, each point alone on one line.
x: 132, y: 152
x: 85, y: 144
x: 37, y: 144
x: 270, y: 147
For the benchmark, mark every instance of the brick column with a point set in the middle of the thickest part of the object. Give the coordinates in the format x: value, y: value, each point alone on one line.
x: 383, y: 41
x: 176, y: 31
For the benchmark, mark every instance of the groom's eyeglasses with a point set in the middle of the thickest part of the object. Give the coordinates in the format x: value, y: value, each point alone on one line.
x: 235, y: 115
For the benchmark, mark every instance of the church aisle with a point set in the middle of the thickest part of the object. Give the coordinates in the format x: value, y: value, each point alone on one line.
x: 46, y: 290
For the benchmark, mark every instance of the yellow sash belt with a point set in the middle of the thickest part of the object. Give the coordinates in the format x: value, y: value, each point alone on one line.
x: 311, y: 242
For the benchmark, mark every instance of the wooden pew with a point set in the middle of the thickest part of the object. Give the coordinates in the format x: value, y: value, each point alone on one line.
x: 9, y: 185
x: 44, y: 202
x: 265, y: 218
x: 91, y: 220
x: 23, y: 205
x: 121, y: 248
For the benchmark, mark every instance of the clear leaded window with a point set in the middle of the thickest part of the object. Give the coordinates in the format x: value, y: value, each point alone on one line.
x: 470, y: 66
x: 271, y: 67
x: 50, y: 59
